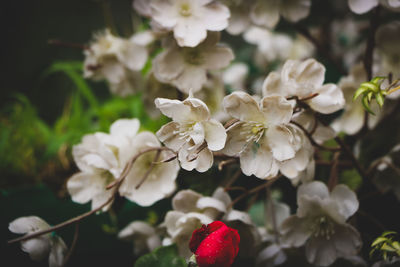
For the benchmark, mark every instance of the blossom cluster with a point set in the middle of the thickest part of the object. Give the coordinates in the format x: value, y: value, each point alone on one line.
x: 281, y: 124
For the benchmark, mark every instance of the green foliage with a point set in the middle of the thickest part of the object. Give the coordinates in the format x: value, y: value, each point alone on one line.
x: 161, y: 257
x: 351, y: 178
x: 385, y: 245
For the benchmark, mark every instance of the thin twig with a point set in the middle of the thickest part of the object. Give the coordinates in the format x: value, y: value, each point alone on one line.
x: 224, y: 163
x: 313, y: 142
x: 353, y: 159
x: 149, y: 170
x: 233, y: 179
x: 73, y: 244
x: 333, y: 178
x: 273, y: 215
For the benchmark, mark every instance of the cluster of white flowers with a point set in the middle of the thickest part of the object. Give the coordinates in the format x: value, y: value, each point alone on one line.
x: 278, y: 131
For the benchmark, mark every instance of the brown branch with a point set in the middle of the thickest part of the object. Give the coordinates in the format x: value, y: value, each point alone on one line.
x: 254, y: 190
x: 313, y: 142
x: 353, y: 159
x: 227, y: 162
x: 333, y: 178
x: 144, y: 178
x: 115, y: 185
x: 73, y: 244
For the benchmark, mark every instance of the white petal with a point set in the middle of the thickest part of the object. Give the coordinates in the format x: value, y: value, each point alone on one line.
x: 215, y: 134
x: 215, y: 17
x: 197, y: 134
x: 136, y: 228
x: 85, y: 186
x: 125, y: 127
x: 185, y: 201
x: 192, y: 78
x: 202, y: 162
x: 223, y: 196
x: 169, y: 137
x: 257, y: 160
x: 164, y: 13
x: 168, y: 65
x: 265, y: 12
x: 295, y: 10
x: 316, y: 188
x: 330, y: 99
x: 362, y: 6
x: 243, y: 107
x: 133, y: 56
x: 100, y: 199
x: 346, y: 199
x: 190, y: 32
x: 347, y: 240
x: 277, y: 110
x: 307, y: 74
x: 38, y: 248
x: 236, y: 141
x: 209, y: 202
x: 273, y: 85
x: 280, y: 140
x: 142, y: 7
x: 27, y: 224
x: 236, y: 215
x: 218, y: 57
x: 295, y: 231
x: 320, y: 251
x: 57, y: 252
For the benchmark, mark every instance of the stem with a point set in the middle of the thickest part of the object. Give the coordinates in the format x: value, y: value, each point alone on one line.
x: 224, y: 163
x: 149, y: 170
x: 73, y: 244
x: 353, y: 159
x: 273, y: 215
x: 313, y: 142
x: 115, y: 185
x: 333, y: 178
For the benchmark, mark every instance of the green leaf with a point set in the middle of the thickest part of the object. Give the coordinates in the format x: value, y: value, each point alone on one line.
x: 161, y: 257
x: 378, y: 241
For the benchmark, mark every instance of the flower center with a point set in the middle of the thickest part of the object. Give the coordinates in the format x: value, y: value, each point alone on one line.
x: 193, y: 56
x: 185, y: 10
x: 323, y: 226
x: 253, y: 131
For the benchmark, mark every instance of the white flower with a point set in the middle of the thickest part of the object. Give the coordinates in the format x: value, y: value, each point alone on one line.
x: 239, y: 20
x: 303, y: 79
x: 320, y: 223
x: 186, y: 68
x: 42, y: 246
x: 235, y: 76
x: 143, y: 235
x: 388, y: 40
x: 190, y: 19
x: 191, y: 210
x: 363, y: 6
x: 268, y: 12
x: 101, y: 158
x: 352, y: 119
x: 116, y: 60
x: 148, y: 182
x: 273, y: 46
x: 192, y: 132
x: 263, y: 137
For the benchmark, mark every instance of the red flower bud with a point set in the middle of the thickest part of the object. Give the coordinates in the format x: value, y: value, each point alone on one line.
x: 215, y: 245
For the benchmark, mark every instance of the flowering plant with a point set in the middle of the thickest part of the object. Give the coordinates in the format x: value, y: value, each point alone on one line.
x: 215, y: 132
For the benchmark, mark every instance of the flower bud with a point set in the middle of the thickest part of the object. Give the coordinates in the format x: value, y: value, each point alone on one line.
x: 215, y: 244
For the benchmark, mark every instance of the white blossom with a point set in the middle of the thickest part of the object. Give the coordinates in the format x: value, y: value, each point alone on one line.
x: 363, y: 6
x: 263, y: 136
x: 116, y: 60
x: 320, y: 223
x: 352, y: 119
x: 192, y: 132
x: 144, y: 236
x: 268, y: 12
x: 148, y: 182
x: 38, y: 248
x: 388, y: 40
x: 303, y: 79
x: 235, y: 76
x: 190, y: 19
x: 186, y: 67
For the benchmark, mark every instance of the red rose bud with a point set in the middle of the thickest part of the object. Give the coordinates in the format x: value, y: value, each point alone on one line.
x: 215, y: 245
